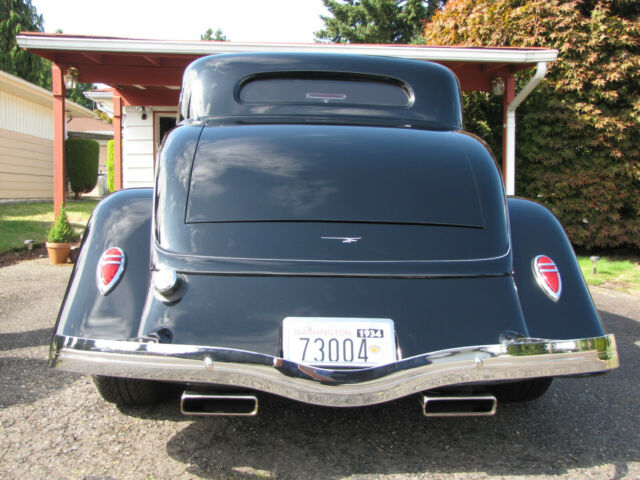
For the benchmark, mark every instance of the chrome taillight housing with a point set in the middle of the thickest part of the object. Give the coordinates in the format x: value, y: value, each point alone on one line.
x: 547, y: 276
x: 110, y: 269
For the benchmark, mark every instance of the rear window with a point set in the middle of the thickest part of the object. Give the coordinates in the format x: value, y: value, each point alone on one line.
x: 319, y: 88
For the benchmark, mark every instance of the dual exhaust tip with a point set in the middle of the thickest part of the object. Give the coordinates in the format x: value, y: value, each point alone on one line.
x: 210, y: 404
x: 213, y: 404
x: 459, y: 406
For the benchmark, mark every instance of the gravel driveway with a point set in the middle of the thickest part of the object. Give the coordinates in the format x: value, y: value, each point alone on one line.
x: 54, y: 425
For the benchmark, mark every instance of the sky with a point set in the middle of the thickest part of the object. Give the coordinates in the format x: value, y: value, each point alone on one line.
x: 240, y: 20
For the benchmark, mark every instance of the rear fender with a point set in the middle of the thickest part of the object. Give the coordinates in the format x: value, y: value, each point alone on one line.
x: 535, y: 231
x: 121, y: 220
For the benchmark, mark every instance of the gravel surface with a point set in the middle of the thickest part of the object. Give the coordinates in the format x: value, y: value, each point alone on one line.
x: 55, y: 425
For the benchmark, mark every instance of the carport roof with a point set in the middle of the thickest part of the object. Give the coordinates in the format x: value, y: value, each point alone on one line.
x: 151, y: 70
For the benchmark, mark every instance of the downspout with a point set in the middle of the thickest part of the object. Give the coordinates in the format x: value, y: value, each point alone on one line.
x: 541, y: 71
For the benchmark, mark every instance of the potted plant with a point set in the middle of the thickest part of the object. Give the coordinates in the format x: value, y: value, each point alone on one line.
x: 59, y: 238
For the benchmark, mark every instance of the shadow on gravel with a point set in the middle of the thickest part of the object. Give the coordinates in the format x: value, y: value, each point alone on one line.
x: 27, y: 380
x: 579, y: 423
x: 32, y: 338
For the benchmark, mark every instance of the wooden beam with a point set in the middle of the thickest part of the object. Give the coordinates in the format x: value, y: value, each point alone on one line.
x: 59, y: 173
x: 150, y: 98
x: 94, y: 57
x: 153, y: 61
x: 148, y: 76
x: 117, y: 142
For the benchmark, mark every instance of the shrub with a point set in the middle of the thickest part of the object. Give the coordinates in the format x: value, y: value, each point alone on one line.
x: 61, y: 231
x: 82, y: 164
x: 110, y: 181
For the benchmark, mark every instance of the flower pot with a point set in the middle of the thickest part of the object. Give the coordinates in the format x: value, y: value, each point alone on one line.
x: 58, y: 252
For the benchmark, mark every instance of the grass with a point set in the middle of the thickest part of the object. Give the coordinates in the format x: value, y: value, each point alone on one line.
x: 620, y: 274
x: 32, y: 221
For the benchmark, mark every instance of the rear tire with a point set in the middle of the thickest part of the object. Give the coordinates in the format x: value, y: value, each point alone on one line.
x: 523, y: 391
x: 130, y: 392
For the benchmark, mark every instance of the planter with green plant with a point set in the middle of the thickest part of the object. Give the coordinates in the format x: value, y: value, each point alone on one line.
x: 59, y: 238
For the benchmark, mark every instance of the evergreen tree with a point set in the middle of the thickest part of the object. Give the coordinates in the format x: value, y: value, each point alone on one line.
x: 17, y: 16
x: 376, y: 21
x: 218, y: 35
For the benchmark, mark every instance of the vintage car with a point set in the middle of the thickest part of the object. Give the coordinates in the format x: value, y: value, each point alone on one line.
x: 323, y: 229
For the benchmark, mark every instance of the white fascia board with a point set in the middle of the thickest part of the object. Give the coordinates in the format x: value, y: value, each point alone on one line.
x: 77, y: 110
x: 195, y: 47
x: 104, y: 101
x: 97, y: 95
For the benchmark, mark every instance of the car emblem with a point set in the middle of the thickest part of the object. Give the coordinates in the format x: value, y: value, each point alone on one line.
x: 548, y: 276
x: 344, y: 239
x: 110, y: 269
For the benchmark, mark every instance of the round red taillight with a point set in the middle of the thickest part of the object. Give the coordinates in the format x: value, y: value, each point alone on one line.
x: 110, y: 269
x: 548, y: 277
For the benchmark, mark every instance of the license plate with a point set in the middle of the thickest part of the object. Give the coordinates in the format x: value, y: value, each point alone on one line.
x: 340, y: 342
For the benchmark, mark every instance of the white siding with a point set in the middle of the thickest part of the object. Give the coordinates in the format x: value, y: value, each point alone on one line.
x: 22, y: 116
x: 26, y: 166
x: 137, y: 149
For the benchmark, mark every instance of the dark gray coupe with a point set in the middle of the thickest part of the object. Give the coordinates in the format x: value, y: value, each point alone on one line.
x: 322, y: 228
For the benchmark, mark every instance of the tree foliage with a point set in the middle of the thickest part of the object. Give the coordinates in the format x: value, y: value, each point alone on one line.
x: 376, y: 21
x: 577, y: 148
x: 218, y: 35
x: 18, y: 16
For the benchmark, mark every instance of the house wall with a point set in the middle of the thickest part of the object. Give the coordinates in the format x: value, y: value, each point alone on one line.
x: 23, y: 116
x: 25, y: 166
x: 26, y: 148
x: 138, y: 147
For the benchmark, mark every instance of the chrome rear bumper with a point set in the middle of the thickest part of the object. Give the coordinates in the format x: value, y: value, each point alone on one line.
x: 338, y: 388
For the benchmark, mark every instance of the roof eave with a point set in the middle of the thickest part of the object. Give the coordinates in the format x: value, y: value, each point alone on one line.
x: 195, y: 47
x: 36, y: 94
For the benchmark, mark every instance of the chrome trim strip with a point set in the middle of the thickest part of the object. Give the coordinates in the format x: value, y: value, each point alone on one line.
x: 527, y: 358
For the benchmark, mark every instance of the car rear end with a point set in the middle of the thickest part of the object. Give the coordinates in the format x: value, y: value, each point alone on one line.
x: 333, y: 238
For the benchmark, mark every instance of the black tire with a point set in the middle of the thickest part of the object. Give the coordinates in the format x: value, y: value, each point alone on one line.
x: 129, y: 391
x: 523, y: 391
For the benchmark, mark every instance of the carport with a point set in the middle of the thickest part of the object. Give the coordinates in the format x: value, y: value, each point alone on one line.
x: 149, y: 73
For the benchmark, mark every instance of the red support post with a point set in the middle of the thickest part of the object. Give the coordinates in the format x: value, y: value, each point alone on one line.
x: 117, y: 142
x: 59, y: 171
x: 509, y: 95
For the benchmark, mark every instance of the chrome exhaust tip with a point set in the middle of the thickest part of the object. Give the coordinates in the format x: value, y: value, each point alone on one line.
x: 209, y: 404
x: 459, y: 406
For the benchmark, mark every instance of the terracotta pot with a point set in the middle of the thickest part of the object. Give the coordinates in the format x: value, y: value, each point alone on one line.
x: 58, y: 252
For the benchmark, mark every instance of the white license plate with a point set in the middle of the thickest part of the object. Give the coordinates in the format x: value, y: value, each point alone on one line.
x: 340, y: 342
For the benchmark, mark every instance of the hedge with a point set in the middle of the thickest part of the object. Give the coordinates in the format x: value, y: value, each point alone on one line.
x: 82, y: 164
x: 110, y: 181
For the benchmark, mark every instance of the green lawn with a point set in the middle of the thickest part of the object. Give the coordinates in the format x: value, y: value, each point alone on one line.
x: 621, y: 274
x: 20, y: 222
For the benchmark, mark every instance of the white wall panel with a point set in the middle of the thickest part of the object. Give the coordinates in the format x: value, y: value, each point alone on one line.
x: 137, y: 149
x: 26, y: 166
x: 22, y: 116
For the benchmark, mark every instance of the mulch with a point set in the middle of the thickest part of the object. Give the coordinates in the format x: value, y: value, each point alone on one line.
x: 11, y: 258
